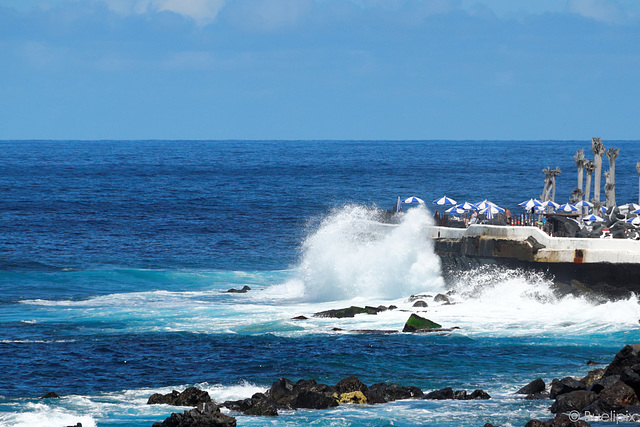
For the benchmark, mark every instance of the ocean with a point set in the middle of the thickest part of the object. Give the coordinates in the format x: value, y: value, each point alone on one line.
x: 115, y: 255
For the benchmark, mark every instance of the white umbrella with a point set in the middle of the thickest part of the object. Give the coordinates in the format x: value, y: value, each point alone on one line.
x: 592, y: 217
x: 583, y: 204
x: 485, y: 204
x: 444, y: 201
x: 468, y: 206
x: 531, y: 203
x: 637, y: 211
x: 455, y: 209
x: 490, y: 211
x: 631, y: 207
x: 567, y: 208
x: 634, y: 221
x: 414, y: 199
x: 550, y: 203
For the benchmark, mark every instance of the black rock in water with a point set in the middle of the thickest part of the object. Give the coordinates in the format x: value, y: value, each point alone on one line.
x: 340, y: 313
x: 259, y: 404
x: 300, y: 318
x: 244, y: 289
x: 50, y: 395
x: 626, y: 358
x: 613, y: 399
x: 573, y: 401
x: 561, y: 420
x: 192, y: 396
x: 565, y: 385
x: 350, y: 384
x: 448, y: 393
x: 535, y: 386
x: 442, y: 298
x: 382, y: 393
x: 205, y: 415
x: 420, y: 303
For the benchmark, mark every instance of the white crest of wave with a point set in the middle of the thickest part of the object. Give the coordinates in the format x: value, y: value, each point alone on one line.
x: 513, y: 302
x: 353, y: 254
x: 38, y: 414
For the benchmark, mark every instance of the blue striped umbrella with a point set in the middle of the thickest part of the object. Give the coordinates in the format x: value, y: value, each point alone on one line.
x: 592, y: 217
x: 468, y: 206
x: 567, y: 208
x: 444, y: 201
x: 531, y: 203
x: 414, y: 199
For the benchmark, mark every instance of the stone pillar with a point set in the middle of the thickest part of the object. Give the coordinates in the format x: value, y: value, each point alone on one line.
x: 554, y: 173
x: 580, y: 161
x: 547, y: 185
x: 638, y: 170
x: 610, y: 186
x: 598, y: 151
x: 590, y: 167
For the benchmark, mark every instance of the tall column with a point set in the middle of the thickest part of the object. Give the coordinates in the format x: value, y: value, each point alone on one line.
x: 612, y: 153
x: 598, y: 151
x: 547, y: 184
x: 590, y: 167
x: 580, y: 161
x: 554, y: 173
x: 638, y: 170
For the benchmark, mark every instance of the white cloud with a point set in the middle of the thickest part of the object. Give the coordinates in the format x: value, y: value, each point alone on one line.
x: 203, y: 12
x: 607, y: 11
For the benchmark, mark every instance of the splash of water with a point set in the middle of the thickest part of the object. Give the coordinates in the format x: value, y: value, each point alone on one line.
x: 352, y: 254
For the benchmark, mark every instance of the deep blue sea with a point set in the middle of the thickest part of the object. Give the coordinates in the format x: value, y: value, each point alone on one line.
x: 114, y: 256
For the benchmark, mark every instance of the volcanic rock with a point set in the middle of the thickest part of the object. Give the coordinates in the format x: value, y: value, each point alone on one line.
x: 612, y: 399
x: 573, y: 401
x: 535, y: 386
x: 50, y: 395
x: 205, y: 415
x: 192, y: 396
x: 415, y: 323
x: 565, y: 385
x: 244, y: 290
x: 561, y: 420
x: 382, y: 393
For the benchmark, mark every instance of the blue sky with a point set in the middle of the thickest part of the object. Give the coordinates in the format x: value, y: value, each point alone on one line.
x: 319, y: 69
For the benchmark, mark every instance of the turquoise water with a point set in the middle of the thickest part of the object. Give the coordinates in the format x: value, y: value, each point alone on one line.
x: 114, y: 257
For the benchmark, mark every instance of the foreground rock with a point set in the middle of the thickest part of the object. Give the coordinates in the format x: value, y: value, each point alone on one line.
x: 614, y: 389
x: 309, y: 394
x: 51, y: 395
x: 340, y: 313
x: 192, y: 396
x: 417, y: 323
x: 205, y: 415
x: 561, y: 420
x: 448, y: 393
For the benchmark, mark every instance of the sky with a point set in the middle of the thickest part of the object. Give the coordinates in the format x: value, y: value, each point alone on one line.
x: 320, y: 69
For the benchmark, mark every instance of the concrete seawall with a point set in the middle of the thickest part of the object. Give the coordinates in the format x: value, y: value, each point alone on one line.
x: 607, y: 266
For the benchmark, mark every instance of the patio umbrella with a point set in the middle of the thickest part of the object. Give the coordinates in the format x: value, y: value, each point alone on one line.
x: 444, y: 201
x: 592, y: 217
x: 630, y: 207
x: 634, y: 221
x: 550, y: 203
x: 485, y: 204
x: 531, y: 203
x: 414, y: 199
x: 583, y: 204
x: 468, y: 206
x: 455, y: 209
x: 567, y: 208
x: 490, y: 211
x: 637, y: 211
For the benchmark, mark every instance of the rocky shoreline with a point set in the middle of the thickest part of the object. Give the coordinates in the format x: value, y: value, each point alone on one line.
x: 287, y: 395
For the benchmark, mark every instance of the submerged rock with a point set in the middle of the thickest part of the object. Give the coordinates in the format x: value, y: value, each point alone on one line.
x: 340, y: 313
x: 244, y: 289
x: 206, y: 414
x: 420, y: 303
x: 442, y: 298
x: 415, y: 323
x: 300, y: 318
x: 50, y: 395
